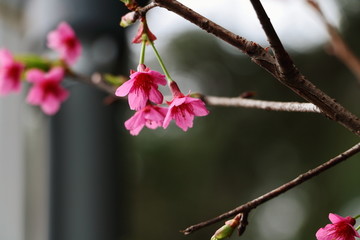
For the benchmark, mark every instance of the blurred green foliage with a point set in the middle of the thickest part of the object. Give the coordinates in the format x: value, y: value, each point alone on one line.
x: 234, y: 154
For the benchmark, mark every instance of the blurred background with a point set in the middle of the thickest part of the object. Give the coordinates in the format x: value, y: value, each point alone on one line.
x: 80, y: 175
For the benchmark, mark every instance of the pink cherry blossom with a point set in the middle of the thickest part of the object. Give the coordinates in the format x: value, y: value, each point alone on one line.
x: 142, y: 87
x: 10, y: 73
x: 64, y: 41
x: 46, y: 90
x: 150, y: 116
x: 341, y: 228
x: 183, y: 109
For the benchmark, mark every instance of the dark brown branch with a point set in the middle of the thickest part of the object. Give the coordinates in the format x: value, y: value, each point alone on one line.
x: 258, y: 54
x: 289, y: 77
x: 141, y: 11
x: 339, y: 48
x: 277, y: 191
x: 286, y: 64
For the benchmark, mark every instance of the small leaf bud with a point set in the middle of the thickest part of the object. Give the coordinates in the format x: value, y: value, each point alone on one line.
x: 128, y: 19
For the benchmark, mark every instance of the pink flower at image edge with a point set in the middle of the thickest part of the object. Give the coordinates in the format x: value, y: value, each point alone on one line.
x: 183, y: 109
x: 10, y: 73
x: 341, y: 228
x: 46, y: 90
x: 142, y: 87
x: 64, y: 41
x: 151, y: 116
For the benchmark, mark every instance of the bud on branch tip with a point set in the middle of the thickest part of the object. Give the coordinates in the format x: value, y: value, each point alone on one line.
x: 226, y: 230
x: 143, y: 30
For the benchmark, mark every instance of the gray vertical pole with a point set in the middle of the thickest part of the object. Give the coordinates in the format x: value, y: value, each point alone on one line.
x: 86, y: 172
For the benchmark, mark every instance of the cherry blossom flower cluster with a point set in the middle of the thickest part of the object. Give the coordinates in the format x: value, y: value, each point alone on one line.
x: 145, y: 98
x: 46, y: 90
x: 341, y: 228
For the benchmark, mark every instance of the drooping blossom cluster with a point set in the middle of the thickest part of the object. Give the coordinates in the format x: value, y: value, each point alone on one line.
x: 144, y: 97
x: 45, y: 90
x: 341, y: 228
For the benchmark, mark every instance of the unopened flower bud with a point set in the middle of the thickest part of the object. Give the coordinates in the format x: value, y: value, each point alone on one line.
x: 143, y: 30
x: 226, y: 230
x: 128, y: 19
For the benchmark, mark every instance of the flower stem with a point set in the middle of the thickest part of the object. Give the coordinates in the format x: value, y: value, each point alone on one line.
x: 142, y: 52
x: 169, y: 79
x: 358, y: 227
x: 357, y: 216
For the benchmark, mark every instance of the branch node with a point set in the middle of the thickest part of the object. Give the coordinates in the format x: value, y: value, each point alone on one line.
x: 243, y: 222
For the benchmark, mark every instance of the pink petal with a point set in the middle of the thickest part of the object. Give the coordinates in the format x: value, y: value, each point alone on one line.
x: 155, y: 96
x: 184, y: 120
x: 135, y: 123
x: 125, y: 88
x: 334, y: 218
x: 35, y: 76
x: 199, y: 108
x: 162, y: 110
x: 156, y: 114
x: 50, y: 105
x: 356, y: 233
x: 35, y: 96
x: 152, y: 124
x: 137, y: 99
x: 158, y: 77
x: 56, y: 37
x: 134, y: 74
x: 70, y: 55
x: 177, y: 101
x: 56, y: 74
x: 167, y: 118
x: 323, y: 234
x: 6, y: 57
x: 65, y: 30
x: 136, y: 131
x: 9, y: 84
x: 53, y: 40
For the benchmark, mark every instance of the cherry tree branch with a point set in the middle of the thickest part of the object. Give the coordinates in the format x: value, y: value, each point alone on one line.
x: 245, y: 208
x: 282, y: 68
x: 95, y: 80
x: 339, y: 47
x: 260, y: 104
x: 141, y: 11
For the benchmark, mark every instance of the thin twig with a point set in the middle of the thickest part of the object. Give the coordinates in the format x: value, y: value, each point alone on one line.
x: 95, y: 80
x: 277, y: 191
x: 339, y: 48
x: 141, y: 11
x: 289, y: 77
x: 260, y: 104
